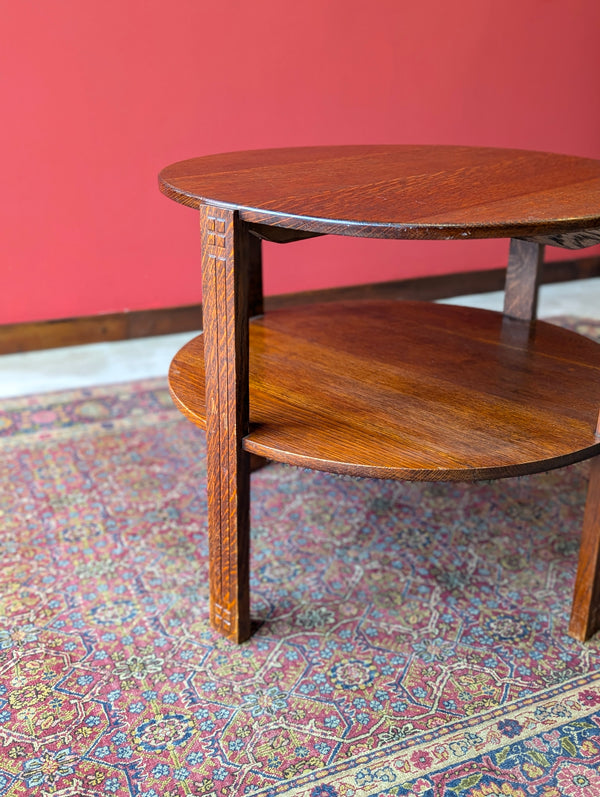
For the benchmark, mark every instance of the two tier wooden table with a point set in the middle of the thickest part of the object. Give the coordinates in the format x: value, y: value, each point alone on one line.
x: 395, y: 390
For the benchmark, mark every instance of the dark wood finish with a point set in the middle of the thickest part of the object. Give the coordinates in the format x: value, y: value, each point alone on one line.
x: 386, y: 389
x: 225, y: 244
x: 35, y: 335
x: 256, y: 305
x: 409, y: 390
x: 571, y: 240
x: 397, y: 191
x: 585, y: 612
x: 280, y: 235
x: 522, y: 279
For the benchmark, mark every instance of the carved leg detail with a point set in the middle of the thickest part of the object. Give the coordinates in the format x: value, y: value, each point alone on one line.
x: 522, y: 278
x: 585, y: 613
x: 225, y: 310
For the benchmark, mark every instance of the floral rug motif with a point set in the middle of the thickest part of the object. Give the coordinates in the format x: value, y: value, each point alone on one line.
x: 413, y: 636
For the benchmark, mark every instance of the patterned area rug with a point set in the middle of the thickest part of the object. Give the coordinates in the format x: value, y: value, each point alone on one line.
x: 413, y: 638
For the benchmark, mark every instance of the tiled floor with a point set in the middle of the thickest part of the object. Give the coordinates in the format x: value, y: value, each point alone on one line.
x: 102, y: 363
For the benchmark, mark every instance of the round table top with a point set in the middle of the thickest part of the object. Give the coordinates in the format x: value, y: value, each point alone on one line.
x: 419, y: 192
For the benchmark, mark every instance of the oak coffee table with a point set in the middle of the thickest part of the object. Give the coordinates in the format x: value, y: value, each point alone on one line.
x: 394, y: 390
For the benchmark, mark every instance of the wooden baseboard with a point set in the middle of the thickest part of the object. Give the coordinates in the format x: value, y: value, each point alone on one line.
x: 31, y: 336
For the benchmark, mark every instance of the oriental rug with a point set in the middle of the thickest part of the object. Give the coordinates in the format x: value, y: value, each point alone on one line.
x: 413, y: 636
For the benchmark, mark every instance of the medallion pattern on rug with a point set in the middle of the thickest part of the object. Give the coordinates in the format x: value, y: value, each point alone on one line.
x: 412, y: 637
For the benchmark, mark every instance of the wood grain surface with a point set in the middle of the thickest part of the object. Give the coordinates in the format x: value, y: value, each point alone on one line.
x: 429, y: 192
x: 411, y: 390
x: 226, y: 301
x: 525, y: 261
x: 402, y: 390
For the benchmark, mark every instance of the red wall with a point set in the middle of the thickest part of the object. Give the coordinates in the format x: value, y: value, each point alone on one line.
x: 98, y: 96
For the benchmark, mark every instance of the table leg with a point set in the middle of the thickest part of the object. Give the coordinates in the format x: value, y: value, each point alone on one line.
x: 522, y: 278
x: 520, y: 303
x: 585, y: 612
x: 226, y: 256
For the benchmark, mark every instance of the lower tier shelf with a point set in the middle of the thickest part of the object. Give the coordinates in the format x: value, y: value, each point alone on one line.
x: 411, y: 390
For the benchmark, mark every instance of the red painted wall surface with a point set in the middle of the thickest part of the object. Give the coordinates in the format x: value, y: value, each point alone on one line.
x: 97, y: 96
